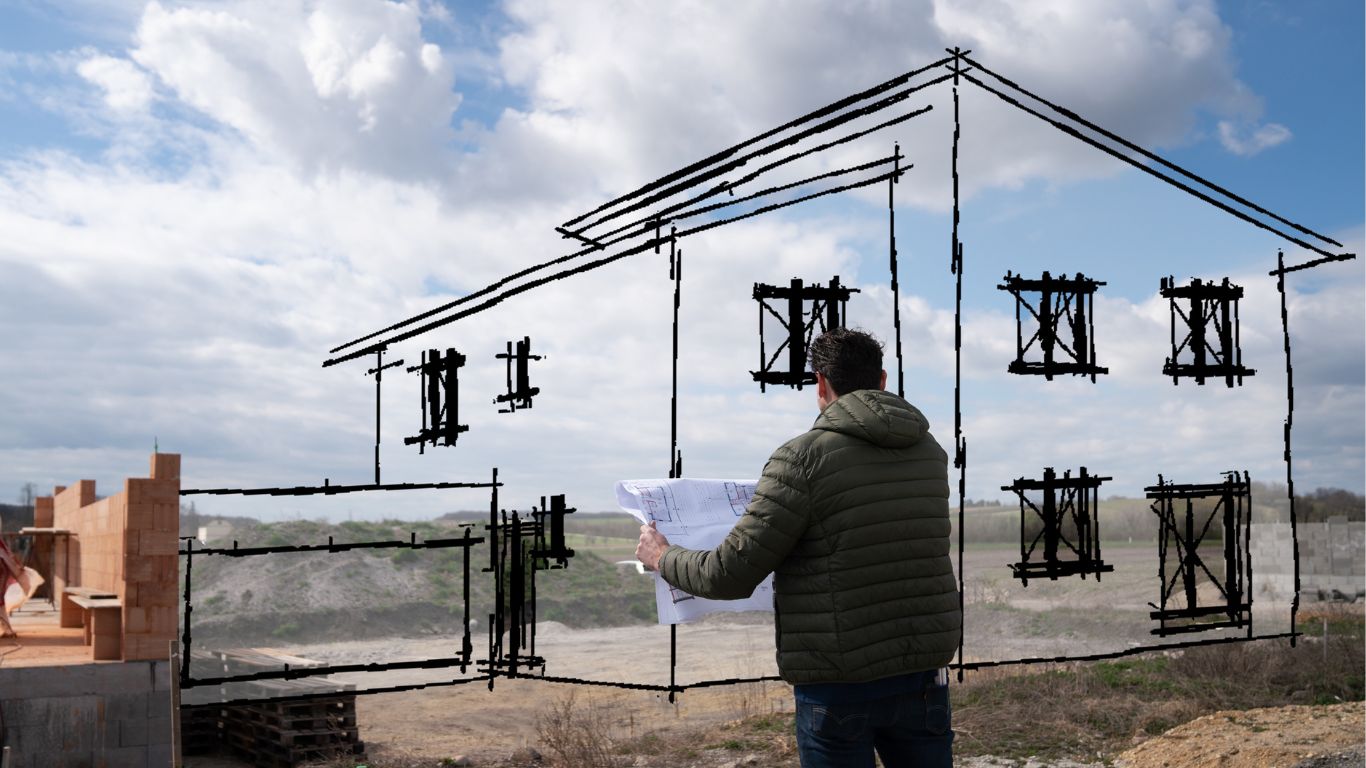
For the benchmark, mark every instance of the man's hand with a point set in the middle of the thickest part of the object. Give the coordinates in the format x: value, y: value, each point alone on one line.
x: 652, y: 545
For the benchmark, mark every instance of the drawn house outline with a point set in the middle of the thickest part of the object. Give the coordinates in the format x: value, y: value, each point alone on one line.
x: 660, y: 214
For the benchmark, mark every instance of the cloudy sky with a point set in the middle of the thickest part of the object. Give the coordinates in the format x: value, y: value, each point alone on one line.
x: 199, y: 200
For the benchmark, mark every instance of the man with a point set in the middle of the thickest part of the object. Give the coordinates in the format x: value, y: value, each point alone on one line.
x: 852, y: 518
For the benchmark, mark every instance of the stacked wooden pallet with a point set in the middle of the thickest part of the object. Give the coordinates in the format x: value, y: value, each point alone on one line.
x: 280, y: 734
x: 199, y: 730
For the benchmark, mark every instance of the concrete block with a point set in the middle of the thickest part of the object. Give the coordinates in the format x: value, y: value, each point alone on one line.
x: 128, y: 677
x: 71, y: 723
x: 162, y: 672
x: 158, y: 755
x: 123, y: 757
x: 126, y: 706
x: 132, y: 733
x: 159, y: 729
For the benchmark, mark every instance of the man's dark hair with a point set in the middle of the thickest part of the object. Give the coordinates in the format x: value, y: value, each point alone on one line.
x: 849, y: 359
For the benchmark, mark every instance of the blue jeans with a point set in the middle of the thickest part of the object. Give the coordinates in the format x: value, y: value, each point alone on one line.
x: 906, y: 719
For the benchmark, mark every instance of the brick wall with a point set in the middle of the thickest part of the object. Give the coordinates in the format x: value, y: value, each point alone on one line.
x: 150, y: 566
x: 94, y: 557
x: 127, y: 544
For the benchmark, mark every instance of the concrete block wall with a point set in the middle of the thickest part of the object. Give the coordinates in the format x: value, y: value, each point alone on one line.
x: 116, y: 715
x: 1332, y: 556
x: 127, y: 544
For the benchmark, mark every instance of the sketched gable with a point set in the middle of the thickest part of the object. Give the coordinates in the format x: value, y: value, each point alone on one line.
x: 805, y: 160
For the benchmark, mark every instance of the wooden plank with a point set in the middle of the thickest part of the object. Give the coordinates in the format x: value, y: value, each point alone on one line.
x: 89, y: 592
x: 92, y: 603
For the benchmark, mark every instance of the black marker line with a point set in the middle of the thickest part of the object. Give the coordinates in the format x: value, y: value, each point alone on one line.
x: 741, y: 161
x: 601, y: 241
x: 1130, y: 145
x: 326, y: 489
x: 726, y: 153
x: 185, y: 634
x: 1126, y: 652
x: 691, y: 212
x: 294, y: 674
x: 1282, y: 269
x: 330, y: 694
x: 1289, y: 424
x: 959, y: 444
x: 332, y: 547
x: 1069, y: 130
x: 588, y: 266
x: 730, y: 186
x: 891, y: 254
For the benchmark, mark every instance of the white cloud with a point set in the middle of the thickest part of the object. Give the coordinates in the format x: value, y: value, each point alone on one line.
x: 644, y: 90
x: 347, y: 84
x: 324, y: 200
x: 126, y: 87
x: 1245, y: 142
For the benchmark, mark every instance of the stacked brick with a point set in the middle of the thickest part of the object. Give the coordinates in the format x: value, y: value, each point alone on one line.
x: 42, y: 512
x: 1332, y: 557
x: 125, y: 544
x: 150, y: 563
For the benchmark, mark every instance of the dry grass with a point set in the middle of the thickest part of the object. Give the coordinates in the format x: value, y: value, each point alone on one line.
x: 1100, y: 708
x: 1085, y: 711
x: 577, y: 736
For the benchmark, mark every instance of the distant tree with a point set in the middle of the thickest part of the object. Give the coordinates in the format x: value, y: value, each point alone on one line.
x: 1322, y: 504
x: 27, y: 493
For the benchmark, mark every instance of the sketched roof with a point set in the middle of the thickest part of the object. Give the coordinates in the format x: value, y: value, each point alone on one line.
x: 636, y: 222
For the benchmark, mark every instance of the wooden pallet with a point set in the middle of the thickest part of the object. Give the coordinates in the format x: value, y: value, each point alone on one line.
x: 280, y: 734
x: 200, y: 730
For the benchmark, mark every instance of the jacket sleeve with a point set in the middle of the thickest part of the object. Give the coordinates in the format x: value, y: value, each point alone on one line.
x: 774, y: 522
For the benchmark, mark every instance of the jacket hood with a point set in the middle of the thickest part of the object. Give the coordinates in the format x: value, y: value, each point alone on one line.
x: 877, y: 416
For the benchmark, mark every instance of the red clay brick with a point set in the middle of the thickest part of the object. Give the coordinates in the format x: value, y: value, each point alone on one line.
x: 134, y: 619
x: 141, y: 515
x: 166, y: 517
x: 166, y: 466
x: 156, y: 543
x: 138, y: 568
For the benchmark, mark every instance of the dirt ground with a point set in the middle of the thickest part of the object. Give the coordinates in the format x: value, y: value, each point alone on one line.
x: 1256, y: 738
x: 1004, y: 620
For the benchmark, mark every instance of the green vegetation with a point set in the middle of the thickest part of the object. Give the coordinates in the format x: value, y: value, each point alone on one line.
x: 288, y: 629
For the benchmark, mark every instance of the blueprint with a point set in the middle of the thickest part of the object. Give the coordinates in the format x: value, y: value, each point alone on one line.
x: 696, y: 514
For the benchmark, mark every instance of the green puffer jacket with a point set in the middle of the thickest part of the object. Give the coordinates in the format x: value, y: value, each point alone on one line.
x: 853, y: 519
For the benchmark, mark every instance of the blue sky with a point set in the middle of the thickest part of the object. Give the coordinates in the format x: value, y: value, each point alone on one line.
x: 199, y: 200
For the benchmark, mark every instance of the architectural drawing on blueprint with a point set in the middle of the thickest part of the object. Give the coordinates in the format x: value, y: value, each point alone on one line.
x: 739, y: 494
x: 696, y: 514
x: 657, y: 502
